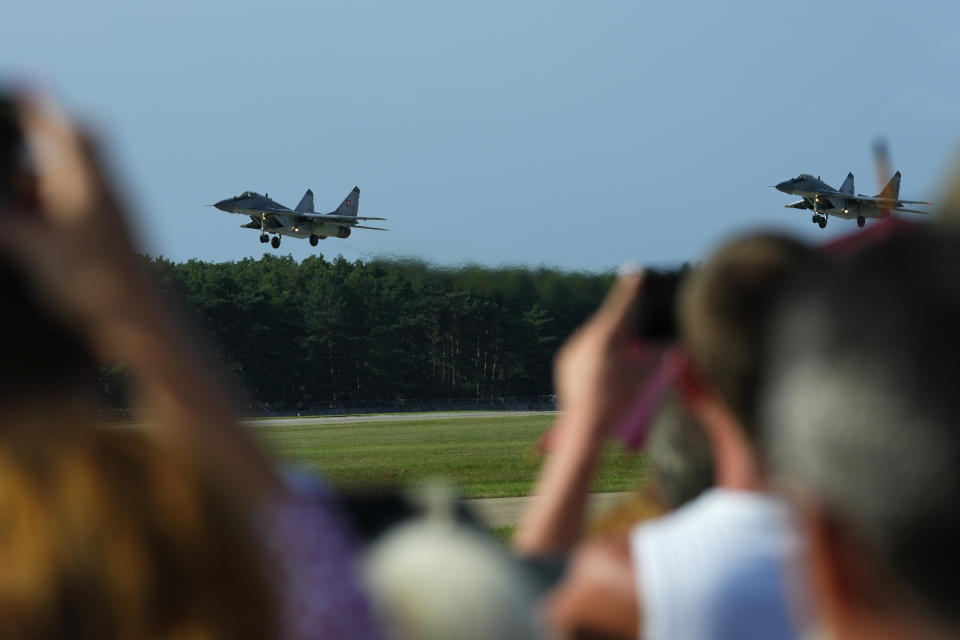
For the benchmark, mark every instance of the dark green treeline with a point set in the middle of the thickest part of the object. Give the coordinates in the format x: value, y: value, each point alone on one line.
x: 320, y: 335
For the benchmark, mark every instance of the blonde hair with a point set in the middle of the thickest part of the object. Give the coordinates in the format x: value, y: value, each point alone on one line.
x: 104, y: 534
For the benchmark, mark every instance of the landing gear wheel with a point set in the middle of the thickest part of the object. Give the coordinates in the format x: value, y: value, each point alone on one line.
x: 314, y: 240
x: 823, y: 222
x: 264, y: 238
x: 861, y: 221
x: 275, y: 242
x: 816, y: 218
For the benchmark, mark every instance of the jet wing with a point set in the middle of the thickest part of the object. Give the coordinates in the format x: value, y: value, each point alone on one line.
x: 360, y: 226
x: 329, y: 217
x: 269, y: 222
x: 802, y: 204
x: 892, y: 201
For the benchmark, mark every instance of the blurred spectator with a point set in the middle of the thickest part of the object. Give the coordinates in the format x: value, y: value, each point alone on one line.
x: 861, y: 419
x: 66, y: 239
x: 435, y: 578
x: 678, y: 454
x: 43, y: 360
x: 685, y: 562
x: 106, y: 535
x: 680, y: 467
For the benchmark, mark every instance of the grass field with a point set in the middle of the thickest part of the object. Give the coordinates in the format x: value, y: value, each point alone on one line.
x: 482, y: 457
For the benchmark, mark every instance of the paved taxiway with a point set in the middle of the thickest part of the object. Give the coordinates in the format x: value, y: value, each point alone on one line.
x: 303, y: 421
x: 500, y: 512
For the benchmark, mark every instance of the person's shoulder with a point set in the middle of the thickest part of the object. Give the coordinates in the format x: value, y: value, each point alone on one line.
x: 716, y: 506
x: 685, y: 560
x: 716, y: 532
x: 731, y: 508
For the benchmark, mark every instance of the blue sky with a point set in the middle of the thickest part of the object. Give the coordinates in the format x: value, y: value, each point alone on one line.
x: 570, y: 134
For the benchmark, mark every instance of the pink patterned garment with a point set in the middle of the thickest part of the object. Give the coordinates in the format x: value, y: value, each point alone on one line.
x: 309, y: 544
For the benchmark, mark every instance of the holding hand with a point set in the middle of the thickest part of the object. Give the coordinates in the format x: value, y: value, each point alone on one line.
x: 598, y: 372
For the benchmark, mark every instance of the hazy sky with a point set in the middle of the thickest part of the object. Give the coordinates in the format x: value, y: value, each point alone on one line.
x: 574, y: 134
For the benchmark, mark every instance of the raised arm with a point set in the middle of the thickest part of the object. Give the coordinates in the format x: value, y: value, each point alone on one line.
x: 597, y: 374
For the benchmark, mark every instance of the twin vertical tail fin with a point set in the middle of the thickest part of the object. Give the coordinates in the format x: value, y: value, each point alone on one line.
x: 306, y: 203
x: 847, y: 186
x: 350, y: 204
x: 892, y: 190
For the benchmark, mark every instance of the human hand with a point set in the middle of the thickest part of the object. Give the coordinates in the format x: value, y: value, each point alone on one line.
x: 70, y: 237
x: 598, y: 372
x: 598, y: 594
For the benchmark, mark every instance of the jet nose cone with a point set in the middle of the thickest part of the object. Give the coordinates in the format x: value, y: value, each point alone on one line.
x: 783, y: 186
x: 223, y: 205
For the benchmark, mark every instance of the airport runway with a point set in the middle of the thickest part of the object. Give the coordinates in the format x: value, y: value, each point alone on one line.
x: 302, y: 421
x: 500, y: 512
x: 494, y: 512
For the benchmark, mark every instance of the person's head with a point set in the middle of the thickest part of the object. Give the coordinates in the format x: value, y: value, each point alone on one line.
x: 678, y: 453
x: 433, y: 578
x: 104, y: 535
x: 861, y: 416
x: 724, y: 308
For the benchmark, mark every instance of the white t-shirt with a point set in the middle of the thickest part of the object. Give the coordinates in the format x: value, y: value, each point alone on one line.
x: 716, y: 568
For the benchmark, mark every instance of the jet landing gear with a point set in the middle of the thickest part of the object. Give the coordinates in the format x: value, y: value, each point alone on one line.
x: 275, y: 242
x: 314, y: 240
x: 861, y: 221
x: 818, y: 218
x: 264, y: 238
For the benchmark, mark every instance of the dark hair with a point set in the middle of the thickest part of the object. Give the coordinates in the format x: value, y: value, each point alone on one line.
x: 41, y: 354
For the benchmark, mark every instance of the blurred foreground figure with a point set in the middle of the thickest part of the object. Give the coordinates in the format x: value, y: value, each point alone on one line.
x: 679, y: 465
x: 862, y: 420
x: 106, y: 535
x: 719, y: 566
x: 433, y: 578
x: 79, y: 515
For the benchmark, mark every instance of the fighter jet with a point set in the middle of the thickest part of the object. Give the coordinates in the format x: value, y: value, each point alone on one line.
x: 303, y: 222
x: 827, y: 201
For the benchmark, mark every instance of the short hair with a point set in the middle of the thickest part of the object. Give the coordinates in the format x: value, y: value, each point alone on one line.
x: 862, y: 409
x: 679, y: 454
x: 724, y: 308
x: 103, y: 534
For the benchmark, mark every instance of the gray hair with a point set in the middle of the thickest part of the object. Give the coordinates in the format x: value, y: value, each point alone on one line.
x: 679, y: 454
x: 862, y: 409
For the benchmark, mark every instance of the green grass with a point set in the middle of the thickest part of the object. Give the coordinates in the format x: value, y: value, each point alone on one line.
x: 503, y: 534
x: 482, y: 457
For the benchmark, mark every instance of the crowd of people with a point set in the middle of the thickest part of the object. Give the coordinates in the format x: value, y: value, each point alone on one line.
x: 798, y: 432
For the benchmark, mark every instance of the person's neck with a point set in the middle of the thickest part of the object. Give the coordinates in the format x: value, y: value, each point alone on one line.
x: 736, y: 465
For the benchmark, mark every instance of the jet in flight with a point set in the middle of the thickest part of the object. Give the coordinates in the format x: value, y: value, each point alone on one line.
x: 303, y: 222
x: 843, y: 203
